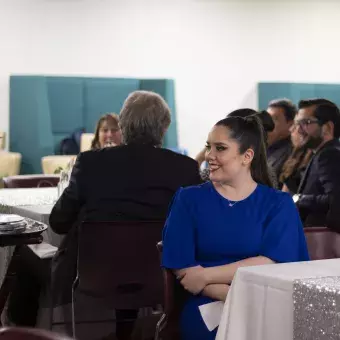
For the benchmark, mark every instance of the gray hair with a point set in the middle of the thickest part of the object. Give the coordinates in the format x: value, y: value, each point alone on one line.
x: 144, y: 118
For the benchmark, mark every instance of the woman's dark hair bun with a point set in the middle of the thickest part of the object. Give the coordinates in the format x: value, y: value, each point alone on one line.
x: 267, y: 121
x: 265, y: 117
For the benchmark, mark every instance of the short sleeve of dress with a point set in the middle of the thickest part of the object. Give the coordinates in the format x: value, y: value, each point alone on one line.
x: 284, y: 239
x: 179, y: 234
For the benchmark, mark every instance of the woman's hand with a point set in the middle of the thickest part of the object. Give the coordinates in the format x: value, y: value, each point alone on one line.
x: 200, y: 158
x: 285, y: 188
x: 216, y: 291
x: 194, y: 279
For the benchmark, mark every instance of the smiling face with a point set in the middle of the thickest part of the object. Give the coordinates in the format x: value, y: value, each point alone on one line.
x: 226, y: 163
x: 295, y: 137
x: 109, y: 134
x: 307, y: 128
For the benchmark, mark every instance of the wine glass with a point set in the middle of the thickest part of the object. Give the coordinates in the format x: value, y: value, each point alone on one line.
x: 109, y: 144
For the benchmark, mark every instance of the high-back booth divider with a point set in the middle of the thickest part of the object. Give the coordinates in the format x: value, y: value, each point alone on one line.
x: 46, y: 109
x: 296, y: 92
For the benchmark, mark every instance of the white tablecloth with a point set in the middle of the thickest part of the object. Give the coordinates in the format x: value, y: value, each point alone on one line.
x: 31, y: 196
x: 260, y: 303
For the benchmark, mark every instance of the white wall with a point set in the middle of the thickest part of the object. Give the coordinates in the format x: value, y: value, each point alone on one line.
x: 215, y: 50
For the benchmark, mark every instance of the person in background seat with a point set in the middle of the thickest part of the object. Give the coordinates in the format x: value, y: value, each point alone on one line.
x: 318, y: 125
x: 295, y: 165
x: 279, y: 143
x: 107, y: 132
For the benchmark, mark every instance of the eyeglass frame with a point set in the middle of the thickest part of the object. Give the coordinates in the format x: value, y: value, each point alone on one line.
x: 305, y: 122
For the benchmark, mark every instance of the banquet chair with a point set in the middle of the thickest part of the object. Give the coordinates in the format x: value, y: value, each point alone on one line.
x: 86, y: 141
x: 174, y: 298
x: 31, y: 181
x: 129, y: 275
x: 10, y: 163
x: 322, y: 242
x: 53, y: 164
x: 29, y: 334
x: 2, y: 140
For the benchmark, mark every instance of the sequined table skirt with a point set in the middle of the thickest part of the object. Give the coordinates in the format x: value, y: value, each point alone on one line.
x: 317, y: 308
x: 283, y: 302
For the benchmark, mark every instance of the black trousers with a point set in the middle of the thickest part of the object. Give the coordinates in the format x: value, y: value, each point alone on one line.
x: 32, y: 276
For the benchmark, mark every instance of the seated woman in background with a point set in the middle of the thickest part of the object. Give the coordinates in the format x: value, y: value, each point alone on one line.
x: 235, y: 220
x: 107, y: 132
x: 295, y: 165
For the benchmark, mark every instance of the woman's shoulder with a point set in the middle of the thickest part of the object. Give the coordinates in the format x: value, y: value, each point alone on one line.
x: 274, y: 196
x: 195, y: 191
x: 277, y: 205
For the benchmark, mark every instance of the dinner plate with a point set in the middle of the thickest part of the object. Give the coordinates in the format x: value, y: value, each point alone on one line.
x: 10, y: 218
x: 14, y: 231
x: 13, y: 226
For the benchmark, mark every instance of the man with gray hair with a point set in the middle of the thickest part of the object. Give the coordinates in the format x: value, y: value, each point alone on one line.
x: 144, y: 119
x: 130, y: 182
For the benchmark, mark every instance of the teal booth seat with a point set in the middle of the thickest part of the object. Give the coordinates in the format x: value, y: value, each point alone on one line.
x: 46, y: 109
x: 296, y: 91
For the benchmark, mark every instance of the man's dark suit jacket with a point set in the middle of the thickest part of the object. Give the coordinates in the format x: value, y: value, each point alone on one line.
x: 277, y: 154
x: 129, y: 182
x: 320, y: 188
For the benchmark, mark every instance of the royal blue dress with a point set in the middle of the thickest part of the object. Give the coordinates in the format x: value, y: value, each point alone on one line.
x: 202, y: 229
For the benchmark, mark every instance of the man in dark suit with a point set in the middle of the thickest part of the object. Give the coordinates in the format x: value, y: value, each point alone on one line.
x: 280, y: 147
x: 318, y: 124
x: 133, y: 181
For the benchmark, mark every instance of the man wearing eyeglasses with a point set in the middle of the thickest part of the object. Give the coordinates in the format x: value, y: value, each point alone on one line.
x: 318, y: 126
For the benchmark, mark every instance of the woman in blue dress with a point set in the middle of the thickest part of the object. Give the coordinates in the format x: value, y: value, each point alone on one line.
x: 236, y: 219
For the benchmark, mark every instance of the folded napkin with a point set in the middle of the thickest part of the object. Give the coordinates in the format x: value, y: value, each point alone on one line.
x: 211, y: 314
x: 43, y: 250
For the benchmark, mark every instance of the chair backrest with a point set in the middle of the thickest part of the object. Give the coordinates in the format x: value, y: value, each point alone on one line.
x: 51, y: 164
x: 174, y: 299
x: 86, y: 141
x: 29, y: 334
x: 2, y: 140
x: 323, y: 243
x: 118, y: 261
x: 31, y: 181
x: 10, y: 163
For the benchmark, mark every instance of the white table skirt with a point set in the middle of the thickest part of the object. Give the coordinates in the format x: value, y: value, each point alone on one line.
x: 260, y: 303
